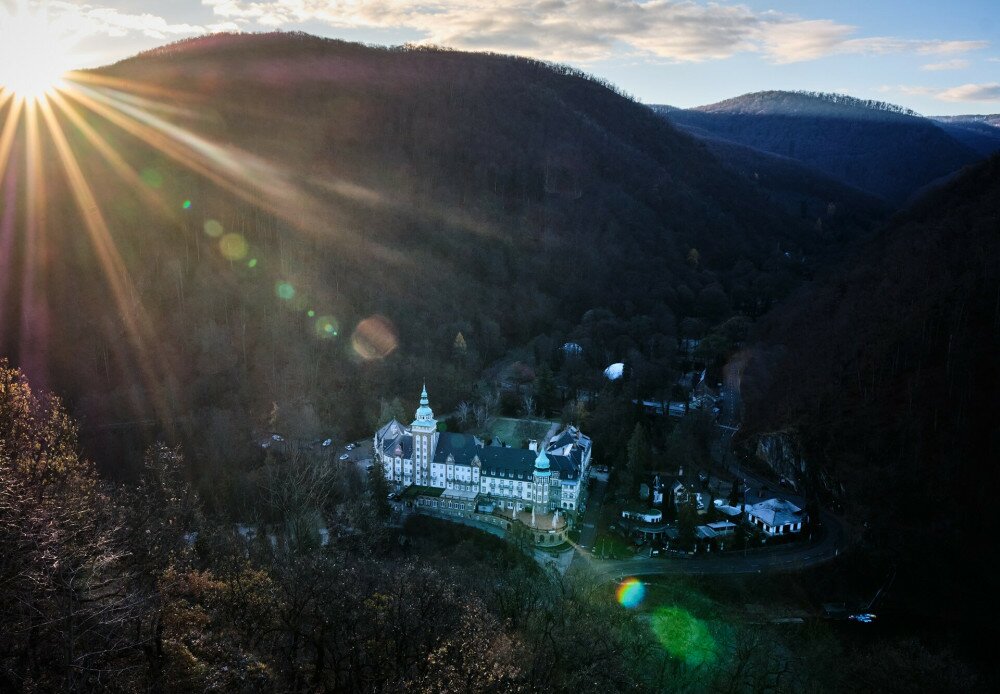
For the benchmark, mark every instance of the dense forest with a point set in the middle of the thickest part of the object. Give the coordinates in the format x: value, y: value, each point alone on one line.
x: 138, y: 587
x: 876, y: 147
x: 307, y: 227
x: 288, y: 235
x: 883, y: 373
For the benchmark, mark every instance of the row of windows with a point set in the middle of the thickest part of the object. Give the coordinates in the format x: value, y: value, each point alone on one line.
x: 453, y: 505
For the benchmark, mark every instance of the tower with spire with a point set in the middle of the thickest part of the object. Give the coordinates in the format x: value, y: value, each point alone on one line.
x: 425, y: 438
x: 542, y: 476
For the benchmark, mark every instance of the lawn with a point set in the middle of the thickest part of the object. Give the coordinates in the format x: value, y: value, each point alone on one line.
x: 514, y: 431
x: 612, y: 546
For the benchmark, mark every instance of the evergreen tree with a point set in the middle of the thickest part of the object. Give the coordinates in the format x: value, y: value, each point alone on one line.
x: 687, y: 521
x: 546, y: 394
x: 640, y: 455
x: 378, y: 491
x: 388, y: 410
x: 734, y: 493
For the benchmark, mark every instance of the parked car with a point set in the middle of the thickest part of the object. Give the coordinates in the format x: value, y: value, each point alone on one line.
x: 344, y: 456
x: 350, y: 446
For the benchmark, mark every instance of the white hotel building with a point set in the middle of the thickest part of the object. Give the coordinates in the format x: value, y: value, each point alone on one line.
x: 462, y: 474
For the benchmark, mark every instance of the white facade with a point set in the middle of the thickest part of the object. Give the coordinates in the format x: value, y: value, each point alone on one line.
x: 465, y: 468
x: 776, y: 517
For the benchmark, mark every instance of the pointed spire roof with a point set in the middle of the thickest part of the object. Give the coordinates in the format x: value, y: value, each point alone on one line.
x: 424, y: 413
x: 542, y: 463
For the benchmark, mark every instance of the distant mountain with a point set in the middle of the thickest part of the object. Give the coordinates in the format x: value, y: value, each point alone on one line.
x: 877, y: 147
x: 981, y: 133
x: 884, y: 374
x: 992, y: 119
x: 797, y: 188
x: 819, y: 104
x: 349, y: 212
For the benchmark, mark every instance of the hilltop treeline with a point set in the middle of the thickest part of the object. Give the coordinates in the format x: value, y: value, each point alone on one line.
x: 875, y: 147
x: 433, y: 193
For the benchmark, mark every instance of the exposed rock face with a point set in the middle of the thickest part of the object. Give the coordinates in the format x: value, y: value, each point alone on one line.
x: 780, y: 451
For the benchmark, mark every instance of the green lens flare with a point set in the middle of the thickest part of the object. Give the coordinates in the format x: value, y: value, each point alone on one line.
x: 285, y: 291
x: 213, y: 228
x: 683, y: 635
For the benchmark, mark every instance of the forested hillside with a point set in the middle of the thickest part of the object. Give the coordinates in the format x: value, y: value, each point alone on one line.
x: 885, y: 372
x: 981, y: 133
x: 308, y: 226
x: 880, y: 148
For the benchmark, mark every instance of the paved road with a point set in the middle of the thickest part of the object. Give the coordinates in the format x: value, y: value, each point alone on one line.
x: 829, y: 541
x: 592, y: 516
x: 359, y: 456
x: 830, y: 535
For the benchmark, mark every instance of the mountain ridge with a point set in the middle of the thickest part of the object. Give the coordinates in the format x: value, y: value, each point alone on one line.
x: 364, y: 197
x: 880, y: 148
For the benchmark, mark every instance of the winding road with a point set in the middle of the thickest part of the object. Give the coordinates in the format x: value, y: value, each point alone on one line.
x: 831, y: 534
x: 831, y: 539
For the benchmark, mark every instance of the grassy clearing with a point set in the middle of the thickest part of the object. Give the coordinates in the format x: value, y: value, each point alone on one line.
x: 513, y: 431
x: 612, y: 546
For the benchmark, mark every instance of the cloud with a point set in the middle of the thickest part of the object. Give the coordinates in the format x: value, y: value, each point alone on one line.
x: 971, y: 92
x: 956, y: 64
x: 563, y: 30
x: 583, y: 30
x: 118, y: 23
x: 909, y: 90
x: 966, y: 92
x: 791, y: 42
x: 880, y: 45
x: 87, y: 19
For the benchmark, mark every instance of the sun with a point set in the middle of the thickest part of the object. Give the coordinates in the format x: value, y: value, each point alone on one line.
x: 34, y: 54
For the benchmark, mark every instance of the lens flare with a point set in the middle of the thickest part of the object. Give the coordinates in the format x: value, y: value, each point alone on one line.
x: 374, y: 338
x: 35, y: 54
x: 630, y: 593
x: 213, y: 228
x: 683, y: 635
x: 327, y: 327
x: 233, y: 247
x: 152, y: 178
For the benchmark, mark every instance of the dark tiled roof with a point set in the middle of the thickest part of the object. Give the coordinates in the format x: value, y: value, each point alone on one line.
x: 509, y: 460
x: 385, y: 428
x: 564, y: 440
x: 405, y: 442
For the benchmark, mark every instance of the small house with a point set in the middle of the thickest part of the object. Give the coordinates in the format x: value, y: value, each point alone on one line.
x: 776, y: 517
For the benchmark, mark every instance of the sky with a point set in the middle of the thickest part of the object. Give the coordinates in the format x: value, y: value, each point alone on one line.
x: 938, y: 58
